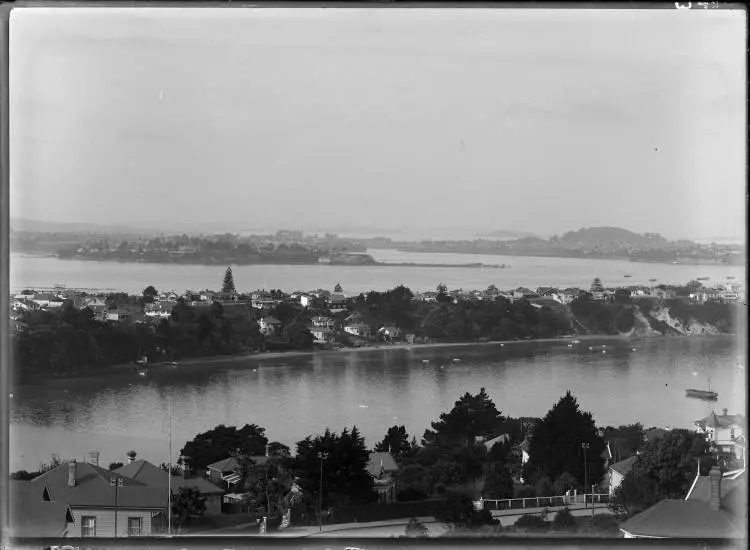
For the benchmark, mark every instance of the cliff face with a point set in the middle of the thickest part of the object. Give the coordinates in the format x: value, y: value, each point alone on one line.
x: 659, y: 322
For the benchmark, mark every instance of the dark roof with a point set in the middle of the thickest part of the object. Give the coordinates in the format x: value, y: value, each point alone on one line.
x: 148, y: 474
x: 231, y: 464
x: 680, y: 519
x: 32, y: 516
x: 701, y: 489
x: 723, y: 421
x: 270, y: 320
x: 624, y: 466
x: 93, y: 488
x: 381, y: 462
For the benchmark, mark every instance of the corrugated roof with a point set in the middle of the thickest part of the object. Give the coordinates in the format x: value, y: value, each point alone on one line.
x: 701, y: 490
x: 380, y: 462
x: 680, y: 519
x: 149, y: 474
x: 31, y: 516
x: 93, y: 488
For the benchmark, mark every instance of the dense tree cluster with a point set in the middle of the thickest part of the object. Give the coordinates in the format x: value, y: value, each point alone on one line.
x: 664, y: 469
x: 222, y: 442
x: 604, y: 317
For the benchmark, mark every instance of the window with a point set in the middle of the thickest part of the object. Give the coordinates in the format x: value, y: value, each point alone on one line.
x: 731, y: 433
x: 88, y: 526
x: 134, y: 527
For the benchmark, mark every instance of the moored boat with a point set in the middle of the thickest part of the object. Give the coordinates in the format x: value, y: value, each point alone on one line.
x: 702, y: 394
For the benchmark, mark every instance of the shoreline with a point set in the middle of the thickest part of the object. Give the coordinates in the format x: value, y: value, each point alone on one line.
x: 206, y: 363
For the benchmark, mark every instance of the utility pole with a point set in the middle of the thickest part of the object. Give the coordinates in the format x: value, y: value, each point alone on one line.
x: 592, y: 502
x: 585, y: 447
x: 322, y: 456
x: 169, y: 472
x: 116, y: 483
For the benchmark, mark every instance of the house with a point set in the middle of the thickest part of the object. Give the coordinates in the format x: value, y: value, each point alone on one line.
x: 708, y: 511
x: 208, y: 295
x: 225, y: 472
x: 337, y: 302
x: 306, y: 300
x: 549, y: 292
x: 357, y: 328
x: 383, y: 468
x: 323, y: 322
x: 389, y: 331
x: 726, y: 431
x: 428, y: 296
x: 48, y: 300
x: 322, y: 334
x: 103, y: 503
x: 269, y: 326
x: 524, y: 447
x: 144, y: 472
x: 570, y: 294
x: 33, y: 516
x: 617, y: 472
x: 523, y: 292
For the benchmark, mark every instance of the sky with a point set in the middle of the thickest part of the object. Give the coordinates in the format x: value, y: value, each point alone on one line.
x: 431, y: 122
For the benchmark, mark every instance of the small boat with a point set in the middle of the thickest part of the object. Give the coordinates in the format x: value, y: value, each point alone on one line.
x: 731, y: 278
x: 652, y: 280
x: 702, y: 279
x: 702, y: 394
x: 707, y: 395
x: 456, y: 360
x: 627, y: 275
x: 426, y: 361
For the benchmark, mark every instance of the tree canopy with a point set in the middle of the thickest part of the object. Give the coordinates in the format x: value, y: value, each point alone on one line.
x: 345, y: 478
x: 471, y: 416
x: 665, y: 468
x: 555, y: 446
x: 227, y: 286
x: 396, y: 442
x: 223, y: 442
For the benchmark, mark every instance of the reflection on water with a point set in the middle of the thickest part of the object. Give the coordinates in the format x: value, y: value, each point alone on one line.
x: 293, y: 397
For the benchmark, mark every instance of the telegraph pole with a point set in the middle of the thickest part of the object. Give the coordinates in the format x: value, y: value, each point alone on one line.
x: 322, y: 456
x: 585, y: 447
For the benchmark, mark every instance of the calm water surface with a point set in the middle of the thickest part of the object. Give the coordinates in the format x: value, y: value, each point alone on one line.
x: 524, y: 271
x: 293, y: 397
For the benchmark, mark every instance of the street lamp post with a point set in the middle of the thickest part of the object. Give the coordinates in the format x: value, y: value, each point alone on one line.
x: 322, y: 456
x: 585, y: 447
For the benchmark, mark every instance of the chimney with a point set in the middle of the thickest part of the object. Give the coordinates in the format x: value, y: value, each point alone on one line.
x: 72, y: 472
x: 714, y: 501
x: 131, y: 457
x: 724, y: 412
x: 93, y: 458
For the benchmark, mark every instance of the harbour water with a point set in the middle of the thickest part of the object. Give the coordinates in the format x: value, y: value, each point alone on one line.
x: 292, y: 397
x: 525, y: 271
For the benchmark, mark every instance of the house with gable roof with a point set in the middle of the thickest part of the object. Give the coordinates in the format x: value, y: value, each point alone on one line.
x: 102, y: 503
x: 145, y: 472
x: 715, y: 507
x: 617, y: 472
x: 382, y: 468
x: 726, y: 432
x: 31, y: 515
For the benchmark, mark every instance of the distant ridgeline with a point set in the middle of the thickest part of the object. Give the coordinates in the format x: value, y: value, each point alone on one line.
x: 284, y: 247
x: 593, y: 242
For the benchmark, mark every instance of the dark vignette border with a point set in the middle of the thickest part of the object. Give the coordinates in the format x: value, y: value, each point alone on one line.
x: 256, y: 542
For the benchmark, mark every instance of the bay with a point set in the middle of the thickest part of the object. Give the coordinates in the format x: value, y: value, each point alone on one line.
x: 294, y: 396
x: 526, y: 271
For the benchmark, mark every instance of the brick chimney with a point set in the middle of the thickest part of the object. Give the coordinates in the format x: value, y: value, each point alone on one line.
x: 715, y: 491
x: 93, y: 458
x: 72, y: 472
x: 131, y: 456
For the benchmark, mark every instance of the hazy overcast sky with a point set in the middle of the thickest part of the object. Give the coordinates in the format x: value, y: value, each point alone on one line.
x: 532, y: 120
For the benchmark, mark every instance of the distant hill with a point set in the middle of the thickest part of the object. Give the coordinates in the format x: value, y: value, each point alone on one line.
x: 596, y: 237
x: 505, y: 235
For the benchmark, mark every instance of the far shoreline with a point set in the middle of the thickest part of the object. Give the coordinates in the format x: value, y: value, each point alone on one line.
x: 195, y: 364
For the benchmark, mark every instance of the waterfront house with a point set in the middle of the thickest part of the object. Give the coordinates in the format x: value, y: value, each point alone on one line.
x: 617, y: 472
x: 710, y: 510
x: 226, y: 472
x: 357, y: 328
x: 322, y: 321
x: 523, y: 292
x: 153, y: 476
x: 33, y: 516
x: 725, y: 431
x: 570, y: 294
x: 549, y: 292
x: 383, y: 469
x: 306, y: 300
x: 389, y: 331
x: 269, y: 326
x: 322, y: 335
x: 103, y: 503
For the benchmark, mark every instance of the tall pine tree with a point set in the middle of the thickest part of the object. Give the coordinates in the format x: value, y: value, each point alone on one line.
x: 228, y: 285
x: 556, y: 445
